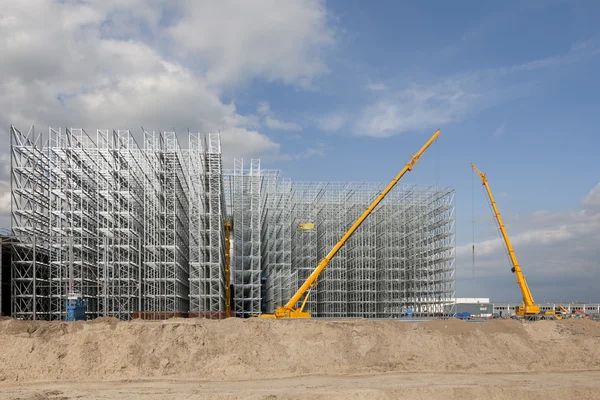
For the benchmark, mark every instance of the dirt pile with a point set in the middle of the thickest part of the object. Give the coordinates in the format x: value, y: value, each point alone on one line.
x: 250, y: 349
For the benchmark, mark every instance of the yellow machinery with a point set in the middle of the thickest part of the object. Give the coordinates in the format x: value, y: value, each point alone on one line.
x: 307, y: 226
x: 289, y: 310
x: 529, y: 309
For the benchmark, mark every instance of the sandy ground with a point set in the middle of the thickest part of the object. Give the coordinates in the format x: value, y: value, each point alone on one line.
x: 261, y: 359
x: 447, y: 386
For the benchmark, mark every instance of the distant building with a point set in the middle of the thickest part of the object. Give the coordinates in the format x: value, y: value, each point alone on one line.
x: 471, y: 300
x: 483, y: 307
x: 478, y: 307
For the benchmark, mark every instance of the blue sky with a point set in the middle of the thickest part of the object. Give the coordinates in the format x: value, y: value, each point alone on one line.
x: 539, y: 122
x: 531, y: 68
x: 346, y: 91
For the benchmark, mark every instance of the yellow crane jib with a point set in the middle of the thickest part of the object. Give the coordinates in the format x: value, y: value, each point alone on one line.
x: 289, y: 310
x: 528, y: 303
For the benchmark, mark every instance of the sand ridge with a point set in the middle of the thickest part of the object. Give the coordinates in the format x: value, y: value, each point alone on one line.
x: 236, y: 349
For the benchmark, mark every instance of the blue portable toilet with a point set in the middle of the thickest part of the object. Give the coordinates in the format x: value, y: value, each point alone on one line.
x: 76, y: 307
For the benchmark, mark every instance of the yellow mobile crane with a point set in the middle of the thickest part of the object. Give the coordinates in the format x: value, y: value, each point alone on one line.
x: 289, y: 310
x: 529, y: 308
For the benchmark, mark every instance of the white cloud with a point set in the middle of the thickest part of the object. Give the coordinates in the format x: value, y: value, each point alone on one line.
x: 578, y: 51
x: 4, y: 162
x: 263, y: 108
x: 258, y: 145
x: 500, y: 130
x: 376, y: 86
x: 433, y: 104
x: 317, y: 151
x: 238, y: 39
x: 102, y: 64
x: 282, y: 125
x: 592, y: 199
x: 580, y: 224
x: 551, y: 247
x: 332, y: 122
x: 419, y: 107
x: 5, y: 198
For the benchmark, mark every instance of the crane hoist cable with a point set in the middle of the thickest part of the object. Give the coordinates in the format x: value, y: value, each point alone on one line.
x: 473, y: 220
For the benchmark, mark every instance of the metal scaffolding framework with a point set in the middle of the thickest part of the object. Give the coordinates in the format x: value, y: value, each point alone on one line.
x: 276, y: 240
x: 110, y: 221
x: 207, y: 214
x: 141, y: 230
x: 246, y: 273
x: 399, y: 261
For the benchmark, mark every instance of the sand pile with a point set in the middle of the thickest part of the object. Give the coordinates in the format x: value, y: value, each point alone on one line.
x: 251, y: 349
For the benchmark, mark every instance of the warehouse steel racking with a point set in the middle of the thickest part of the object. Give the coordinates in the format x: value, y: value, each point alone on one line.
x: 110, y: 221
x: 246, y: 206
x: 141, y: 230
x: 400, y: 259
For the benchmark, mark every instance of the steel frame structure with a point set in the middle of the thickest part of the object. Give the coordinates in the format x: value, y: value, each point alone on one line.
x: 399, y: 261
x: 173, y: 267
x: 141, y: 229
x: 111, y: 221
x: 304, y: 242
x: 207, y: 215
x: 152, y: 252
x: 276, y: 239
x: 246, y: 207
x: 30, y: 193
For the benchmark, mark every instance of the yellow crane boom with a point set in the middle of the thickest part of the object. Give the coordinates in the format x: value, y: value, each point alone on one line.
x: 289, y: 310
x: 529, y: 306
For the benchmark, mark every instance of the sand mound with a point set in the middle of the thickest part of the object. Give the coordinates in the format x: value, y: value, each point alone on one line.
x: 252, y: 349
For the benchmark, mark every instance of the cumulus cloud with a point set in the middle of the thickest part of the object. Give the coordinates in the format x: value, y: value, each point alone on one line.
x: 263, y: 108
x: 110, y: 65
x: 593, y: 198
x: 238, y: 39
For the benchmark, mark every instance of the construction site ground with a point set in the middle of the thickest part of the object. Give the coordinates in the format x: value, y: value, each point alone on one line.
x: 305, y: 359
